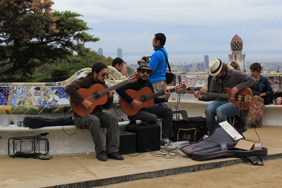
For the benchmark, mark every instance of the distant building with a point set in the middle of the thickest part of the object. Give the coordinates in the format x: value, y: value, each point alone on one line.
x: 119, y: 53
x: 237, y: 56
x: 199, y: 67
x: 173, y: 68
x: 206, y: 60
x: 188, y: 68
x: 100, y: 51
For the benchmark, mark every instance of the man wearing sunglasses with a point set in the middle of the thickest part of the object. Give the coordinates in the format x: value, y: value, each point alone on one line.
x: 97, y: 119
x: 149, y: 115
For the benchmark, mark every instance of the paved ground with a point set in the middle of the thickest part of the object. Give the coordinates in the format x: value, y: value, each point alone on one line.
x: 242, y: 175
x: 67, y: 169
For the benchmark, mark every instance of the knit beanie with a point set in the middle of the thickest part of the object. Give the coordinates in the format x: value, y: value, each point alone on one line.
x: 97, y: 67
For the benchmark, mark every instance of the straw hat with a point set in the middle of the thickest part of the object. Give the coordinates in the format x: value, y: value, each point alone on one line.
x: 215, y: 66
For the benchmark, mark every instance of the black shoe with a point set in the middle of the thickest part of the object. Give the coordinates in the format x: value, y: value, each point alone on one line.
x: 0, y: 136
x: 101, y: 156
x: 115, y: 156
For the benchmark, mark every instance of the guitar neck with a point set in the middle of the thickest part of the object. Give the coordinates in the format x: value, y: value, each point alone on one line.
x: 154, y: 95
x: 114, y: 87
x: 220, y: 95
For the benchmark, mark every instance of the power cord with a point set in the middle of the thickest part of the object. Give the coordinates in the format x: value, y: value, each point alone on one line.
x: 65, y: 110
x: 165, y: 152
x: 257, y: 134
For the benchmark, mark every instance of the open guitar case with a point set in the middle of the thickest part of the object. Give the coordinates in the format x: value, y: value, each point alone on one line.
x: 220, y: 145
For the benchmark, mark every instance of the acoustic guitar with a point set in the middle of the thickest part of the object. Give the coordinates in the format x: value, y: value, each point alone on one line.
x: 146, y: 96
x: 242, y: 99
x: 98, y: 95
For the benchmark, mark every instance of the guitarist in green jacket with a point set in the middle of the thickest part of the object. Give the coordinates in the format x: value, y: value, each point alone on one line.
x: 96, y: 119
x: 223, y: 77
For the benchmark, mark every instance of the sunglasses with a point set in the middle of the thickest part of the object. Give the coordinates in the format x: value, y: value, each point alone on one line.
x: 143, y: 71
x: 104, y: 74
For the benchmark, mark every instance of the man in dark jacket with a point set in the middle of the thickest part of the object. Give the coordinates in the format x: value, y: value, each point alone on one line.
x: 149, y: 115
x: 97, y: 119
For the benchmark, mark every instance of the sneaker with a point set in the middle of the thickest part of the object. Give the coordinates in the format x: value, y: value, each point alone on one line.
x: 205, y: 136
x: 163, y: 143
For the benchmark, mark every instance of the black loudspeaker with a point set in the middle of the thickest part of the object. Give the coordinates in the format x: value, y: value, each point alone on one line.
x: 147, y: 137
x: 127, y: 143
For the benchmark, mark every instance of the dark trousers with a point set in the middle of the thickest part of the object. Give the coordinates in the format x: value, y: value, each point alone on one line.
x: 268, y: 99
x: 94, y: 122
x: 151, y: 115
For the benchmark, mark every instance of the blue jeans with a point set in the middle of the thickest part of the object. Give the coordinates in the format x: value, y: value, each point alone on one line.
x: 221, y: 109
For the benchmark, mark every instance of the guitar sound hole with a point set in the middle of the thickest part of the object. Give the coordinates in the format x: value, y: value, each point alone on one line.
x: 143, y: 98
x: 96, y: 96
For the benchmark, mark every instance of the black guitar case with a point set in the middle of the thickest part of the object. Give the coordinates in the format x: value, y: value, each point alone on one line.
x: 219, y: 136
x: 216, y: 152
x: 220, y: 145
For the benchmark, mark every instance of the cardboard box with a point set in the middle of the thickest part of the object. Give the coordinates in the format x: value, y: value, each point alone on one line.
x: 248, y: 145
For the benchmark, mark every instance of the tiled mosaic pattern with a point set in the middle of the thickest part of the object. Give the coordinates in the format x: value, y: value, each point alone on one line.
x: 50, y: 97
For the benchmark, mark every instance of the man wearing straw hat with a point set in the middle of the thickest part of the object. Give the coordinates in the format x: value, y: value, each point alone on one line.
x: 223, y: 77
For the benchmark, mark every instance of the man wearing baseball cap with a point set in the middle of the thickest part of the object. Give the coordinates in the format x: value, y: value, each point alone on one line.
x: 149, y: 115
x: 223, y: 77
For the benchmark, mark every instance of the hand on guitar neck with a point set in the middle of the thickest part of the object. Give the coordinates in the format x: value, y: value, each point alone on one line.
x: 233, y: 92
x: 167, y: 95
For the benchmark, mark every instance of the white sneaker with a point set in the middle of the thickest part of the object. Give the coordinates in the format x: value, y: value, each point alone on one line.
x: 178, y: 144
x: 205, y: 136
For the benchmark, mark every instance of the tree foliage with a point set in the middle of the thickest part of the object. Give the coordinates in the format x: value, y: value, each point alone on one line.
x: 32, y: 35
x: 63, y: 69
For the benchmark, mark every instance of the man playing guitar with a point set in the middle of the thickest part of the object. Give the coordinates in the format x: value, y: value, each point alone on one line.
x: 96, y: 119
x: 149, y: 115
x: 223, y: 77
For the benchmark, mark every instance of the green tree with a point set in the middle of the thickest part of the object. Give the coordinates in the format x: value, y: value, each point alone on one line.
x: 31, y: 34
x: 64, y: 68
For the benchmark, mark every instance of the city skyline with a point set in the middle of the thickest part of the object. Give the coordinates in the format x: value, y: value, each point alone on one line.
x: 178, y: 57
x: 193, y: 28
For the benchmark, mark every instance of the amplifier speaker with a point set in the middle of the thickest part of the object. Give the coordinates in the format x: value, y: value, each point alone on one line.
x: 127, y: 143
x: 147, y: 137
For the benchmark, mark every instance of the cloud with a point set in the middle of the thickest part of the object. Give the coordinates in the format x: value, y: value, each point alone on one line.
x: 194, y: 26
x: 175, y: 12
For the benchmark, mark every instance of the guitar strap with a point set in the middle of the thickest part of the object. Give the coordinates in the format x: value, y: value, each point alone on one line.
x: 165, y: 58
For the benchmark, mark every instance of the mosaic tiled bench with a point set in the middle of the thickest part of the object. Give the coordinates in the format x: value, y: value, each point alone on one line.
x: 47, y: 100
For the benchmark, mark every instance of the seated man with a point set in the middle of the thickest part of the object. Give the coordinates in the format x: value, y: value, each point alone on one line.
x: 261, y: 87
x: 97, y: 119
x: 118, y: 63
x: 149, y: 115
x: 223, y: 77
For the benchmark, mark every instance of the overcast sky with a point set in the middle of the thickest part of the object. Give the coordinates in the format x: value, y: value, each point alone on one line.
x: 193, y: 28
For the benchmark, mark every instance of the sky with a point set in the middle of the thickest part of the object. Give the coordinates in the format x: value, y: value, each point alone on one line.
x: 193, y: 28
